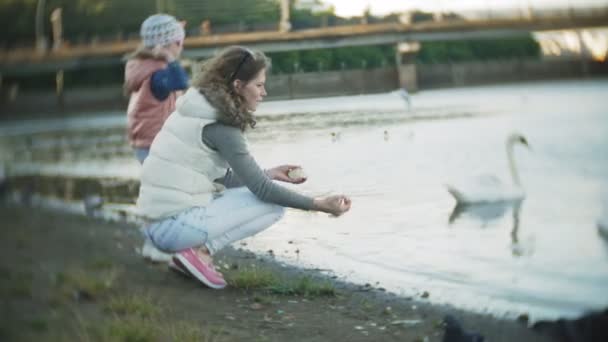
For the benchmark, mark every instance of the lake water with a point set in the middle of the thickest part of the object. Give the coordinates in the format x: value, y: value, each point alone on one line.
x: 544, y: 257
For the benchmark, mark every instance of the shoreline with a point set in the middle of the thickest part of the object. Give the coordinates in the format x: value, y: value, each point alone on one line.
x: 44, y: 249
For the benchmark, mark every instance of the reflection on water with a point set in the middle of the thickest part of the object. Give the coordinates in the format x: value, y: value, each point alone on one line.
x: 486, y: 214
x: 403, y: 232
x: 518, y: 247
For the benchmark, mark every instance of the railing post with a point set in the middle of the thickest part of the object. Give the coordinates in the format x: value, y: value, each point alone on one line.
x: 59, y: 88
x: 57, y: 26
x: 285, y: 24
x: 40, y: 39
x: 405, y: 55
x: 290, y: 85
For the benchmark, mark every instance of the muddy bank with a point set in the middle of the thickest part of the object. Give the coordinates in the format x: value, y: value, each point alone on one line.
x: 67, y: 278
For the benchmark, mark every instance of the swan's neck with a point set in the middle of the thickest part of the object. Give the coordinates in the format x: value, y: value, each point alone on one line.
x: 512, y: 168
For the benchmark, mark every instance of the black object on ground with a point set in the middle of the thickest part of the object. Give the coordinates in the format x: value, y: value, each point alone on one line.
x: 591, y: 327
x: 454, y: 332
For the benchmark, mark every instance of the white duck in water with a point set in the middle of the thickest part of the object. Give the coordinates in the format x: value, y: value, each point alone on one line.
x: 489, y: 188
x: 405, y: 96
x: 602, y: 223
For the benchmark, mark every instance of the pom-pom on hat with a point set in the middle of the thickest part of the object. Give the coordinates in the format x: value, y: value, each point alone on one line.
x: 161, y: 29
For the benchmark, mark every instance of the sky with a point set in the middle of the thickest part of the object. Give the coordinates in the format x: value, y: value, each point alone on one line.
x: 348, y: 8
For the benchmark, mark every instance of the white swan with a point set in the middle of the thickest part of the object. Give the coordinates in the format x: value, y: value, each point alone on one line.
x: 482, y: 212
x: 489, y: 188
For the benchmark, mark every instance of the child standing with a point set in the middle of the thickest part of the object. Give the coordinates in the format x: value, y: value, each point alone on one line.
x: 154, y: 79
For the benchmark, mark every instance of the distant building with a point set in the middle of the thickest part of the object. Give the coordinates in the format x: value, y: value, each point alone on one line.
x: 315, y: 6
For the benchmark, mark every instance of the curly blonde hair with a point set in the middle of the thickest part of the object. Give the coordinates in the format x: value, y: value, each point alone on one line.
x: 215, y: 82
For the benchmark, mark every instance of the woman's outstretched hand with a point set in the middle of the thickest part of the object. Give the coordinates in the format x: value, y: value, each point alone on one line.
x: 335, y: 205
x: 282, y: 173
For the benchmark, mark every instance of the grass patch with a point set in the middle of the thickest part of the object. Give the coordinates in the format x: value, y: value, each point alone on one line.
x: 366, y: 305
x: 38, y: 325
x: 133, y: 305
x: 190, y: 332
x: 137, y: 317
x: 18, y: 285
x: 86, y: 285
x: 22, y: 239
x: 259, y: 279
x: 140, y: 329
x: 252, y: 279
x: 131, y: 330
x: 101, y: 264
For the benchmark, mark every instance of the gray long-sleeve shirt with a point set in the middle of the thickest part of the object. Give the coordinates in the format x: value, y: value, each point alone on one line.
x: 230, y: 143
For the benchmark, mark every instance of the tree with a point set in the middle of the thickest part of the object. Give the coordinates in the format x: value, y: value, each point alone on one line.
x: 471, y: 50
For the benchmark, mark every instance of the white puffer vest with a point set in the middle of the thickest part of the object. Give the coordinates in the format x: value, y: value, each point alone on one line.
x: 179, y: 171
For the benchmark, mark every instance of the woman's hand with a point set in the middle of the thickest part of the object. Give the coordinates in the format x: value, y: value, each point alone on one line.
x: 335, y: 205
x: 281, y: 173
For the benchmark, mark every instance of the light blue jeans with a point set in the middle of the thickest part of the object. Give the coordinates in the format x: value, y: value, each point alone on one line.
x: 235, y: 215
x: 141, y: 153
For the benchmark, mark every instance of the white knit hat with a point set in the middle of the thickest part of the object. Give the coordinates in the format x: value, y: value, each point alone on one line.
x: 161, y: 29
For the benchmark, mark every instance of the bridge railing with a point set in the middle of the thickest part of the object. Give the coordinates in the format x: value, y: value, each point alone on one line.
x: 476, y: 19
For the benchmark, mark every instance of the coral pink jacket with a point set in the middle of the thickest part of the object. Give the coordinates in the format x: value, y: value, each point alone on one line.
x: 145, y: 114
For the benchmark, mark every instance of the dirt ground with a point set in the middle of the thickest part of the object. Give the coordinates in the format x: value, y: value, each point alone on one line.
x: 71, y: 278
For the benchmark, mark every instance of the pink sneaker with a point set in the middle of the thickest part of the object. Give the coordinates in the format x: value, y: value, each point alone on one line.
x: 203, y: 271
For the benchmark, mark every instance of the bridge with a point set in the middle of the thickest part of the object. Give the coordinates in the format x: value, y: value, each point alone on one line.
x: 31, y: 61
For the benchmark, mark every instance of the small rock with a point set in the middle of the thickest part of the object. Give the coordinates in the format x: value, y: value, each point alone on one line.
x: 523, y: 318
x: 425, y: 294
x: 407, y: 322
x: 83, y: 295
